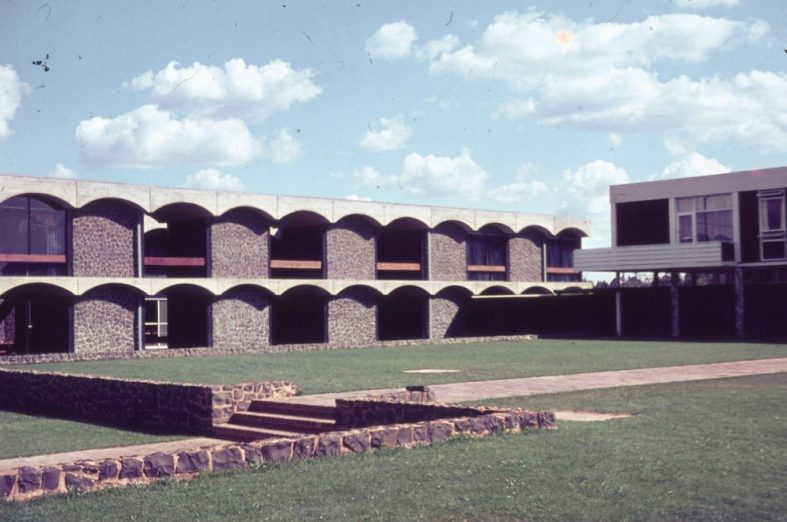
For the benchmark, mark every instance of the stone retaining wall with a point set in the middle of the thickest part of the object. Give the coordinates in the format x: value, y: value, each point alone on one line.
x: 28, y: 482
x: 188, y: 352
x: 147, y: 404
x: 362, y: 413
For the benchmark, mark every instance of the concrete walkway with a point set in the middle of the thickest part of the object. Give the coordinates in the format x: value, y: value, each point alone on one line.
x: 480, y: 390
x: 458, y: 392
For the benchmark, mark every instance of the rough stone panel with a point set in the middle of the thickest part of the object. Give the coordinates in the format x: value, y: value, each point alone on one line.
x: 253, y: 454
x: 404, y: 436
x: 228, y: 458
x: 78, y: 482
x: 8, y: 326
x: 103, y: 243
x: 277, y: 451
x: 241, y: 319
x: 108, y: 470
x: 357, y: 442
x: 447, y: 316
x: 7, y: 482
x: 527, y: 420
x: 240, y: 245
x: 159, y: 465
x: 546, y: 420
x: 448, y: 253
x: 131, y: 468
x: 384, y: 437
x: 440, y: 431
x: 28, y: 479
x: 350, y: 249
x: 104, y: 320
x: 50, y: 479
x: 420, y: 434
x: 525, y: 257
x: 193, y: 461
x: 352, y: 318
x: 304, y: 447
x: 329, y: 446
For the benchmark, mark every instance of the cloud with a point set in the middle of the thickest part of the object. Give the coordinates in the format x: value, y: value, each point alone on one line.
x: 395, y: 40
x: 236, y: 90
x: 694, y: 164
x: 586, y: 189
x: 392, y: 134
x: 704, y: 4
x: 151, y: 137
x: 11, y: 91
x: 523, y: 187
x: 61, y: 171
x: 214, y: 179
x: 616, y: 140
x: 283, y: 148
x: 437, y: 176
x: 603, y: 77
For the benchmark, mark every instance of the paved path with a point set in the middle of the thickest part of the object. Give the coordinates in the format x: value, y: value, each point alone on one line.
x: 479, y: 390
x: 458, y: 392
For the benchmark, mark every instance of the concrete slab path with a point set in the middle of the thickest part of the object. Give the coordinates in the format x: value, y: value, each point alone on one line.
x: 480, y: 390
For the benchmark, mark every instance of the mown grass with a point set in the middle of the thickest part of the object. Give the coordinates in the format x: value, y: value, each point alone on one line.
x: 25, y: 435
x: 712, y: 450
x: 376, y: 367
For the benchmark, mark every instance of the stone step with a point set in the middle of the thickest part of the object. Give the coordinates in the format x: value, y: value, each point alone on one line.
x: 278, y: 421
x: 296, y: 409
x: 249, y: 433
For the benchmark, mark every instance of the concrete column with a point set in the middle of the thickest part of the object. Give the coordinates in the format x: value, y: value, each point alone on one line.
x: 675, y: 304
x: 740, y: 304
x: 618, y: 314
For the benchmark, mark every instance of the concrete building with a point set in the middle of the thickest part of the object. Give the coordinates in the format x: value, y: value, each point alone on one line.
x: 716, y: 248
x: 90, y: 267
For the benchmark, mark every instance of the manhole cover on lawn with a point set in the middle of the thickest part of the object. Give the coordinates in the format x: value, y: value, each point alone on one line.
x: 431, y: 370
x: 588, y: 416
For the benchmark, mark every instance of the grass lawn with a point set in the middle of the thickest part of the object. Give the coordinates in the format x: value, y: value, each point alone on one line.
x: 25, y: 435
x: 375, y: 367
x: 712, y: 450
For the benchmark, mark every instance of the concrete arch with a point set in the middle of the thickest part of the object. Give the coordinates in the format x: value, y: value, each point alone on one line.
x: 571, y: 231
x: 449, y: 224
x: 88, y: 285
x: 306, y: 289
x: 180, y: 211
x: 350, y: 287
x: 247, y: 208
x: 409, y: 290
x: 195, y: 287
x: 54, y: 287
x: 361, y: 217
x: 302, y: 218
x: 495, y: 226
x: 539, y: 230
x: 453, y: 289
x: 114, y: 200
x: 537, y: 290
x: 46, y: 198
x: 497, y: 290
x: 228, y: 290
x: 406, y: 223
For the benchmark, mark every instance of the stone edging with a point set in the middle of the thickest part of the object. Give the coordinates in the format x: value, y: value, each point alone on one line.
x: 191, y: 352
x: 26, y: 482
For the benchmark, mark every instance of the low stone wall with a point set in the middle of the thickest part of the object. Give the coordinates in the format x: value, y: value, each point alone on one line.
x: 146, y: 404
x: 361, y: 413
x: 27, y: 482
x: 7, y: 360
x: 419, y: 394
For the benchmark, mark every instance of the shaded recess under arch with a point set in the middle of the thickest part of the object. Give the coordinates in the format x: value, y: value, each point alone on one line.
x: 403, y: 314
x: 34, y: 318
x: 299, y: 316
x: 298, y: 246
x: 181, y: 248
x: 33, y: 236
x: 401, y: 250
x: 178, y: 317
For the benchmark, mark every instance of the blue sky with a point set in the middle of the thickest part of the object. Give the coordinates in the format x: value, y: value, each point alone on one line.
x: 525, y: 106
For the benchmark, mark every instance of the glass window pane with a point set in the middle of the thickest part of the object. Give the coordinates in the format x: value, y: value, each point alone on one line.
x: 685, y: 204
x: 714, y: 226
x: 773, y: 250
x: 47, y: 231
x: 773, y: 214
x: 685, y: 233
x: 13, y: 230
x: 718, y: 202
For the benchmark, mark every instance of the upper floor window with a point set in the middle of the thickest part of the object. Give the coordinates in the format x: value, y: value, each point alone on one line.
x: 705, y: 218
x: 560, y: 258
x: 772, y: 224
x: 32, y: 237
x: 486, y: 256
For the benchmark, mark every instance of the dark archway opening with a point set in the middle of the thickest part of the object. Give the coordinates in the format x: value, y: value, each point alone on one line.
x: 299, y: 317
x: 35, y: 319
x: 401, y: 250
x: 402, y: 315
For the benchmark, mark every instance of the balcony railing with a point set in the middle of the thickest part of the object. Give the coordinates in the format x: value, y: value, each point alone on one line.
x: 646, y: 258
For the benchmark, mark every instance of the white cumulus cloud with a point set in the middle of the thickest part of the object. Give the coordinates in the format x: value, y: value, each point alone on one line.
x: 283, y: 148
x: 431, y: 175
x: 11, y: 91
x: 61, y: 171
x: 524, y: 187
x: 236, y: 90
x: 151, y: 137
x: 704, y: 4
x: 693, y: 164
x: 389, y: 134
x: 214, y: 179
x: 394, y: 40
x: 586, y: 189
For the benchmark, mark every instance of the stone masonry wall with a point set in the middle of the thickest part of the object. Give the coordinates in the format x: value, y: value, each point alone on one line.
x: 448, y: 253
x: 239, y: 245
x: 241, y: 318
x: 350, y: 249
x: 7, y: 326
x: 146, y: 404
x: 23, y: 483
x: 103, y: 240
x: 525, y: 261
x: 446, y: 316
x: 352, y: 318
x: 104, y: 320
